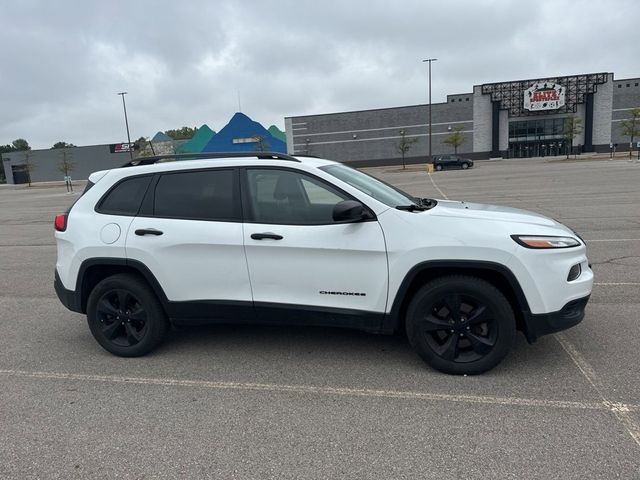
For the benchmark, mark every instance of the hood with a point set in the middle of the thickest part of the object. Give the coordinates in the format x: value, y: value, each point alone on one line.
x: 448, y: 208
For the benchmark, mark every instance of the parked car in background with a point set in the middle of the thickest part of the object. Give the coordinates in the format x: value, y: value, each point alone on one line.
x: 440, y: 162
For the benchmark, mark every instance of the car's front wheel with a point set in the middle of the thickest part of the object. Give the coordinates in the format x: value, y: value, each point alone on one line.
x: 125, y: 316
x: 465, y: 165
x: 460, y: 325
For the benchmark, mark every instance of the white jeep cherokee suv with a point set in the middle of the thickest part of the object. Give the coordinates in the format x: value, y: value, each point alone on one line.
x: 272, y: 238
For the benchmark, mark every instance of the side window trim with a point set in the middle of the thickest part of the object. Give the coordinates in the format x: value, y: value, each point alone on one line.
x: 146, y: 209
x: 247, y: 203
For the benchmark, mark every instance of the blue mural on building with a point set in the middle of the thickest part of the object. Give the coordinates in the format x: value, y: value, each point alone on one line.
x: 242, y: 134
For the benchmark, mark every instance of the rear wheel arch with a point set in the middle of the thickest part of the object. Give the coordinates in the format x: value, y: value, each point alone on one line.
x: 496, y: 274
x: 93, y: 271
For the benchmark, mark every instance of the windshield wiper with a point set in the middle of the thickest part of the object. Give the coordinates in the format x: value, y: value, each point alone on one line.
x: 411, y: 208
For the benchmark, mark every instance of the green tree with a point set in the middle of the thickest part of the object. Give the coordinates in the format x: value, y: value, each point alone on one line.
x: 184, y: 133
x: 65, y: 166
x: 62, y: 145
x: 29, y: 167
x: 144, y: 147
x: 7, y: 148
x: 631, y: 127
x: 20, y: 145
x: 572, y: 128
x: 455, y: 138
x: 404, y: 145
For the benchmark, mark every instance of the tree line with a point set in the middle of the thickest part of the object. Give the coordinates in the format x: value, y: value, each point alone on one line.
x: 21, y: 145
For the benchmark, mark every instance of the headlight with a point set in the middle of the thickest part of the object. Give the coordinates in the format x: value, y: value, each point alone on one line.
x: 542, y: 241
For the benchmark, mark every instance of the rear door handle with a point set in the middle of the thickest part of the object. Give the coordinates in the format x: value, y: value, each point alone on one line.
x: 272, y: 236
x: 148, y: 231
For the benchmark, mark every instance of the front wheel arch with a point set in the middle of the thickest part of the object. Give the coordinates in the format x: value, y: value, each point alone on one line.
x: 496, y: 274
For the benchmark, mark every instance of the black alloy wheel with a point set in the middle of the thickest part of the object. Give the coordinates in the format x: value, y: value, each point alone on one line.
x: 125, y: 316
x: 122, y: 317
x: 460, y: 328
x: 460, y: 325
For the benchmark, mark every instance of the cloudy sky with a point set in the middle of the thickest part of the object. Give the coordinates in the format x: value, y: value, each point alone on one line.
x: 186, y: 63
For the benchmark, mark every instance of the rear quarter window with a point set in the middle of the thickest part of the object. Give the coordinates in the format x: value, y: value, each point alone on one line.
x: 125, y: 197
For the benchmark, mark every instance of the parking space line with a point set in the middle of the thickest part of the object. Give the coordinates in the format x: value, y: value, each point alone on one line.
x: 620, y: 411
x: 436, y: 186
x: 614, y: 240
x: 605, y: 284
x: 323, y: 390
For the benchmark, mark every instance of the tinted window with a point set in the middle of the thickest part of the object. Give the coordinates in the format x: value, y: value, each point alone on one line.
x: 125, y: 197
x: 208, y: 195
x: 291, y: 198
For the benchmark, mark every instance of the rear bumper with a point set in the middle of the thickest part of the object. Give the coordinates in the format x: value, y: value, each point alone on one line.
x: 69, y: 298
x: 545, y: 323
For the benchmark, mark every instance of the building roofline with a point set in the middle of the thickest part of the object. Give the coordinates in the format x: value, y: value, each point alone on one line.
x: 377, y: 109
x: 625, y: 79
x: 543, y: 78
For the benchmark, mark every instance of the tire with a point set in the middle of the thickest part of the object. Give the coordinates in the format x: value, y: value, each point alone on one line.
x: 438, y: 167
x: 471, y: 341
x: 465, y: 166
x: 126, y: 300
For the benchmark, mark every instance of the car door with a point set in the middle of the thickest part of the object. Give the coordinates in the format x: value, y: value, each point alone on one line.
x: 189, y: 235
x: 305, y: 267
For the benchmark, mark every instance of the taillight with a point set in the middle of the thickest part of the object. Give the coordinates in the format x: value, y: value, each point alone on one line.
x: 60, y: 223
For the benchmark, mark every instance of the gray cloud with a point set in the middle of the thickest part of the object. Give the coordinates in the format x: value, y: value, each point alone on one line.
x: 185, y: 63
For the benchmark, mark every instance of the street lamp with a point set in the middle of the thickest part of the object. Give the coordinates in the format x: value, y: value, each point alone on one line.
x: 430, y: 60
x: 126, y: 122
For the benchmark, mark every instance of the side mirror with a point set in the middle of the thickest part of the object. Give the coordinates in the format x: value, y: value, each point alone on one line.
x: 349, y: 211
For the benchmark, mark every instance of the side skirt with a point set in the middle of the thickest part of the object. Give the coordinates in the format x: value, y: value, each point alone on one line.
x: 225, y: 312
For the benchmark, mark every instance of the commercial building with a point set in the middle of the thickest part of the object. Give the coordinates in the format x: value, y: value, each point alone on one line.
x: 46, y: 165
x: 240, y: 134
x: 513, y: 119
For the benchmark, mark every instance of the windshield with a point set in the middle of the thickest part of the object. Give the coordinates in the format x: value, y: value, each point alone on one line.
x: 381, y: 191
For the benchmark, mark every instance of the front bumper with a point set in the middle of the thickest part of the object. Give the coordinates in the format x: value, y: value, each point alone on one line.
x: 69, y: 298
x: 545, y: 323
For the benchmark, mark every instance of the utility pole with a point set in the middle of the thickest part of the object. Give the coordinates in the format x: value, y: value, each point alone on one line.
x: 429, y: 60
x: 126, y: 122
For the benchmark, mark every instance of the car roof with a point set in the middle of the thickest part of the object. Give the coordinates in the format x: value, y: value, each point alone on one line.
x: 257, y: 159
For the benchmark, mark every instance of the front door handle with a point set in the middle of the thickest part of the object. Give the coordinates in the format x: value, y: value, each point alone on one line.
x: 272, y: 236
x: 148, y: 231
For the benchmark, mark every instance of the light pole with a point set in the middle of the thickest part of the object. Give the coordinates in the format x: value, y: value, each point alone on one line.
x: 430, y: 60
x: 126, y: 122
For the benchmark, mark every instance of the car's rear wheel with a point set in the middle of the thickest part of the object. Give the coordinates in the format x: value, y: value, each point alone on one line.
x: 465, y: 165
x: 460, y: 325
x: 125, y: 316
x: 438, y: 167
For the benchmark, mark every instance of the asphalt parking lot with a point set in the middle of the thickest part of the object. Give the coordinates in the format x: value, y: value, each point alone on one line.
x: 258, y: 402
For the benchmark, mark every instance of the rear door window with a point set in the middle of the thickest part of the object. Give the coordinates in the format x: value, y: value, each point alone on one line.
x: 198, y: 195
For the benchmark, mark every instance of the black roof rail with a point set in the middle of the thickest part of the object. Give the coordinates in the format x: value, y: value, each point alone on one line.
x: 204, y: 156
